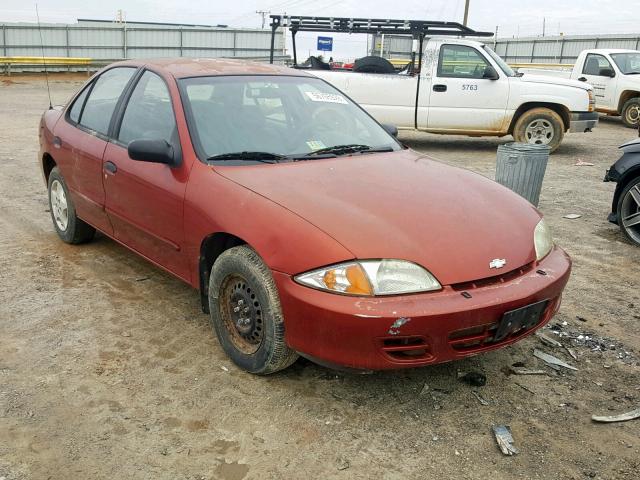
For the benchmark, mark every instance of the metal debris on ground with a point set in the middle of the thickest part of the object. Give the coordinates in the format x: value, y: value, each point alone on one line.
x: 343, y: 464
x: 551, y: 360
x: 623, y: 417
x: 581, y: 163
x: 480, y: 399
x: 475, y: 379
x: 519, y: 370
x: 425, y: 389
x: 504, y: 439
x: 572, y: 216
x: 548, y: 340
x: 525, y: 388
x: 571, y: 352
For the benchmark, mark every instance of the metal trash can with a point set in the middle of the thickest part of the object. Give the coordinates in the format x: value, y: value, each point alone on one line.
x: 521, y: 167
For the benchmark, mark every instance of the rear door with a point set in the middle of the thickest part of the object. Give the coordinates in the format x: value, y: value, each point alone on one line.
x: 460, y: 98
x: 82, y: 138
x: 144, y: 200
x: 597, y: 71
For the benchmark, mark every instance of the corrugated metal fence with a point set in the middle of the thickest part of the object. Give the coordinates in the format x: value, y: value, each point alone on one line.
x: 113, y: 41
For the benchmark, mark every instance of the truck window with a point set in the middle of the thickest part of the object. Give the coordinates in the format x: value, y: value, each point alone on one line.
x: 594, y: 64
x: 461, y: 61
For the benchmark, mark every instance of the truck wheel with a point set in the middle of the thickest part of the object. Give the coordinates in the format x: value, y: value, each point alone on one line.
x: 69, y: 227
x: 541, y: 126
x: 629, y: 211
x: 631, y: 112
x: 246, y: 314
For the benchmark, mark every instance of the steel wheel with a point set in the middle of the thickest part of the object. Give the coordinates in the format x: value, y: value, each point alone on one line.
x: 242, y: 314
x: 540, y: 131
x: 630, y: 213
x: 59, y: 206
x: 632, y: 114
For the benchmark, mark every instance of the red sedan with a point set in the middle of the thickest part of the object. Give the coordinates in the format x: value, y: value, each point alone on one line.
x: 306, y: 226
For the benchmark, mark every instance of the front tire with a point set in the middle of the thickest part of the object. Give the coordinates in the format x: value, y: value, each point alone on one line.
x: 69, y: 227
x: 629, y: 211
x: 539, y: 126
x: 245, y: 312
x: 631, y: 112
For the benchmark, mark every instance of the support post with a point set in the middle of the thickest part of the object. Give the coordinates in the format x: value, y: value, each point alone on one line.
x: 4, y: 40
x: 415, y: 113
x: 293, y: 44
x: 275, y: 22
x: 124, y: 41
x: 181, y: 41
x: 66, y: 33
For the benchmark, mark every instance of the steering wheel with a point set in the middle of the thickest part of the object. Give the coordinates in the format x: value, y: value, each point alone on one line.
x: 331, y: 120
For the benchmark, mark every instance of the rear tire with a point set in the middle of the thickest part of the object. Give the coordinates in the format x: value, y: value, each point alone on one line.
x: 69, y: 227
x: 540, y: 126
x: 628, y: 211
x: 631, y: 112
x: 245, y: 312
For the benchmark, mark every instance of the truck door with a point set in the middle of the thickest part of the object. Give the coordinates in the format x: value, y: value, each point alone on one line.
x: 599, y: 72
x: 462, y: 99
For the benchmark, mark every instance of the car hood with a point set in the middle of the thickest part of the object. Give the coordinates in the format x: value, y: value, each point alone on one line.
x: 406, y: 206
x: 528, y: 77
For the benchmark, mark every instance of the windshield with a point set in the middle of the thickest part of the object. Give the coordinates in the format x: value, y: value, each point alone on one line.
x: 628, y: 63
x: 275, y: 116
x: 509, y: 72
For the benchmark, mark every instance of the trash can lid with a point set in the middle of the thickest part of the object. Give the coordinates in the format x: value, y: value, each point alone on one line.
x: 524, y: 147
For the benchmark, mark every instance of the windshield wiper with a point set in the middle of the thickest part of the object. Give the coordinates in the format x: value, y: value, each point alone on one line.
x: 346, y: 149
x: 264, y: 157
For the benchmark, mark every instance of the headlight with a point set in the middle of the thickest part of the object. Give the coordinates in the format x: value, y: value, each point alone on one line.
x: 371, y: 277
x: 542, y: 240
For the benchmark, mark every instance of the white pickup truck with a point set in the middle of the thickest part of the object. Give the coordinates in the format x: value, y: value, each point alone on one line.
x: 615, y: 77
x: 464, y: 88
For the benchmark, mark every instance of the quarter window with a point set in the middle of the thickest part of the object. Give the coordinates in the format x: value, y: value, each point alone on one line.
x: 102, y: 100
x: 149, y: 114
x: 76, y: 108
x: 595, y: 64
x: 460, y: 61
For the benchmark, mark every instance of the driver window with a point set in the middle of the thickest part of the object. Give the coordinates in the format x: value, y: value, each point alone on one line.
x: 594, y: 65
x: 460, y: 61
x: 149, y: 114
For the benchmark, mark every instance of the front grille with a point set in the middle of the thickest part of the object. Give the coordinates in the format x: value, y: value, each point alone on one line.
x: 502, y: 278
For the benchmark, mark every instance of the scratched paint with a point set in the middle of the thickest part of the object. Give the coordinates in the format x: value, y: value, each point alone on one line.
x: 395, y: 326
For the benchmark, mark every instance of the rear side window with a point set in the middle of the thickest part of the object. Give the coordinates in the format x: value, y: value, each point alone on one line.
x: 103, y: 98
x: 76, y: 108
x: 149, y: 114
x: 460, y: 61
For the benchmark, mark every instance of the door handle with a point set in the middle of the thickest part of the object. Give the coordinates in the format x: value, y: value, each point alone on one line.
x: 110, y: 167
x: 582, y: 79
x: 439, y: 88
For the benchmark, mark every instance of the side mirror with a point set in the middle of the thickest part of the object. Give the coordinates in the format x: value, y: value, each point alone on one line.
x: 154, y: 151
x: 607, y: 72
x: 490, y: 73
x: 390, y: 129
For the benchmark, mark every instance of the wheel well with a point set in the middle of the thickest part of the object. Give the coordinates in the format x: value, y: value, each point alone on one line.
x: 624, y: 98
x: 559, y: 109
x: 47, y: 165
x: 210, y: 249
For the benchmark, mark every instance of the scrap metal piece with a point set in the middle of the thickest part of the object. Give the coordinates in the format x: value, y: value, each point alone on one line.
x: 480, y: 399
x: 622, y: 417
x: 572, y: 216
x: 552, y: 361
x: 527, y: 371
x: 548, y: 340
x: 504, y: 439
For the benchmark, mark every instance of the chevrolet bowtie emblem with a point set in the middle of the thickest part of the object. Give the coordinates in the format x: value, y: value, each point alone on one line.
x: 497, y: 263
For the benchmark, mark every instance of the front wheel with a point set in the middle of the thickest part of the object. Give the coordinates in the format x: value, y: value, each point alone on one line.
x: 631, y: 112
x: 69, y: 227
x: 539, y: 126
x: 246, y: 314
x: 629, y: 211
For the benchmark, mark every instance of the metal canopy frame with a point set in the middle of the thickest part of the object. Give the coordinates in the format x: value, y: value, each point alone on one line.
x: 418, y: 29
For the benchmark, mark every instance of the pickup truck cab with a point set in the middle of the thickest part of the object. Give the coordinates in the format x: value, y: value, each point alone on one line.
x: 465, y: 88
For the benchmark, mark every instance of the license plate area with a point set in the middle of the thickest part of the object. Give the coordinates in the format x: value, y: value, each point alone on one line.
x: 523, y: 318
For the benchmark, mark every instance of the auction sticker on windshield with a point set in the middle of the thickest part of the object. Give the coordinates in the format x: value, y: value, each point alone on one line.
x: 326, y: 97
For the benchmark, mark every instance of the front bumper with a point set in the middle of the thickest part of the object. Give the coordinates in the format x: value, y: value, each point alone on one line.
x: 420, y: 329
x: 581, y: 122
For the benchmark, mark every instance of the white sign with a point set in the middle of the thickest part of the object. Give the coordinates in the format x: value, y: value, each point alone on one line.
x: 326, y: 97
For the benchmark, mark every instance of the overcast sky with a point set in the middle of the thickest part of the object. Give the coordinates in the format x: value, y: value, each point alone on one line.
x: 513, y: 17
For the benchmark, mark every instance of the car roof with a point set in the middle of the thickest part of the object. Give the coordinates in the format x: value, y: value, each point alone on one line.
x: 183, y: 67
x: 612, y: 50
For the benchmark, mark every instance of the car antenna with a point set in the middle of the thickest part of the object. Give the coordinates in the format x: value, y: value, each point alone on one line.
x: 44, y: 62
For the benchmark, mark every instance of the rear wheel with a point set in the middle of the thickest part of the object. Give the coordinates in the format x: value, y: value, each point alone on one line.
x: 69, y: 227
x: 539, y: 126
x: 629, y: 211
x: 631, y: 112
x: 246, y: 314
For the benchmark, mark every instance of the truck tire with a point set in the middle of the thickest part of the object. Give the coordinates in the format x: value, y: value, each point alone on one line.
x: 373, y: 64
x: 631, y: 112
x: 540, y: 126
x: 245, y: 312
x: 69, y: 227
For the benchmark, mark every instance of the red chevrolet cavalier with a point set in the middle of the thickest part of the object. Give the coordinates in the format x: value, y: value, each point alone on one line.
x: 306, y: 226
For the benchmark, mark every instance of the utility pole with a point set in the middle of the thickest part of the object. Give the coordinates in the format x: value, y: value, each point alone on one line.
x: 264, y: 14
x: 466, y: 12
x: 544, y: 25
x: 495, y: 38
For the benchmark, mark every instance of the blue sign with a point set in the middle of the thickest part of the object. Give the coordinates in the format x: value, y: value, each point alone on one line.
x: 325, y: 44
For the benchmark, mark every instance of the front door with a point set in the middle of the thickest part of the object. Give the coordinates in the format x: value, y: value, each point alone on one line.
x: 145, y: 200
x: 599, y: 72
x: 461, y: 99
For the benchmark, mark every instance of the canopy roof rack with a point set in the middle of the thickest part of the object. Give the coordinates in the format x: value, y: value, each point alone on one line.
x: 417, y: 29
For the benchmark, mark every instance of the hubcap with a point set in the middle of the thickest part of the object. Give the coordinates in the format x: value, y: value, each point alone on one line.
x: 633, y: 114
x: 242, y: 314
x: 540, y: 132
x: 630, y: 213
x: 59, y: 207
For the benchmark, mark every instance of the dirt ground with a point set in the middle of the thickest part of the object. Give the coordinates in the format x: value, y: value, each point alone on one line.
x: 108, y: 368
